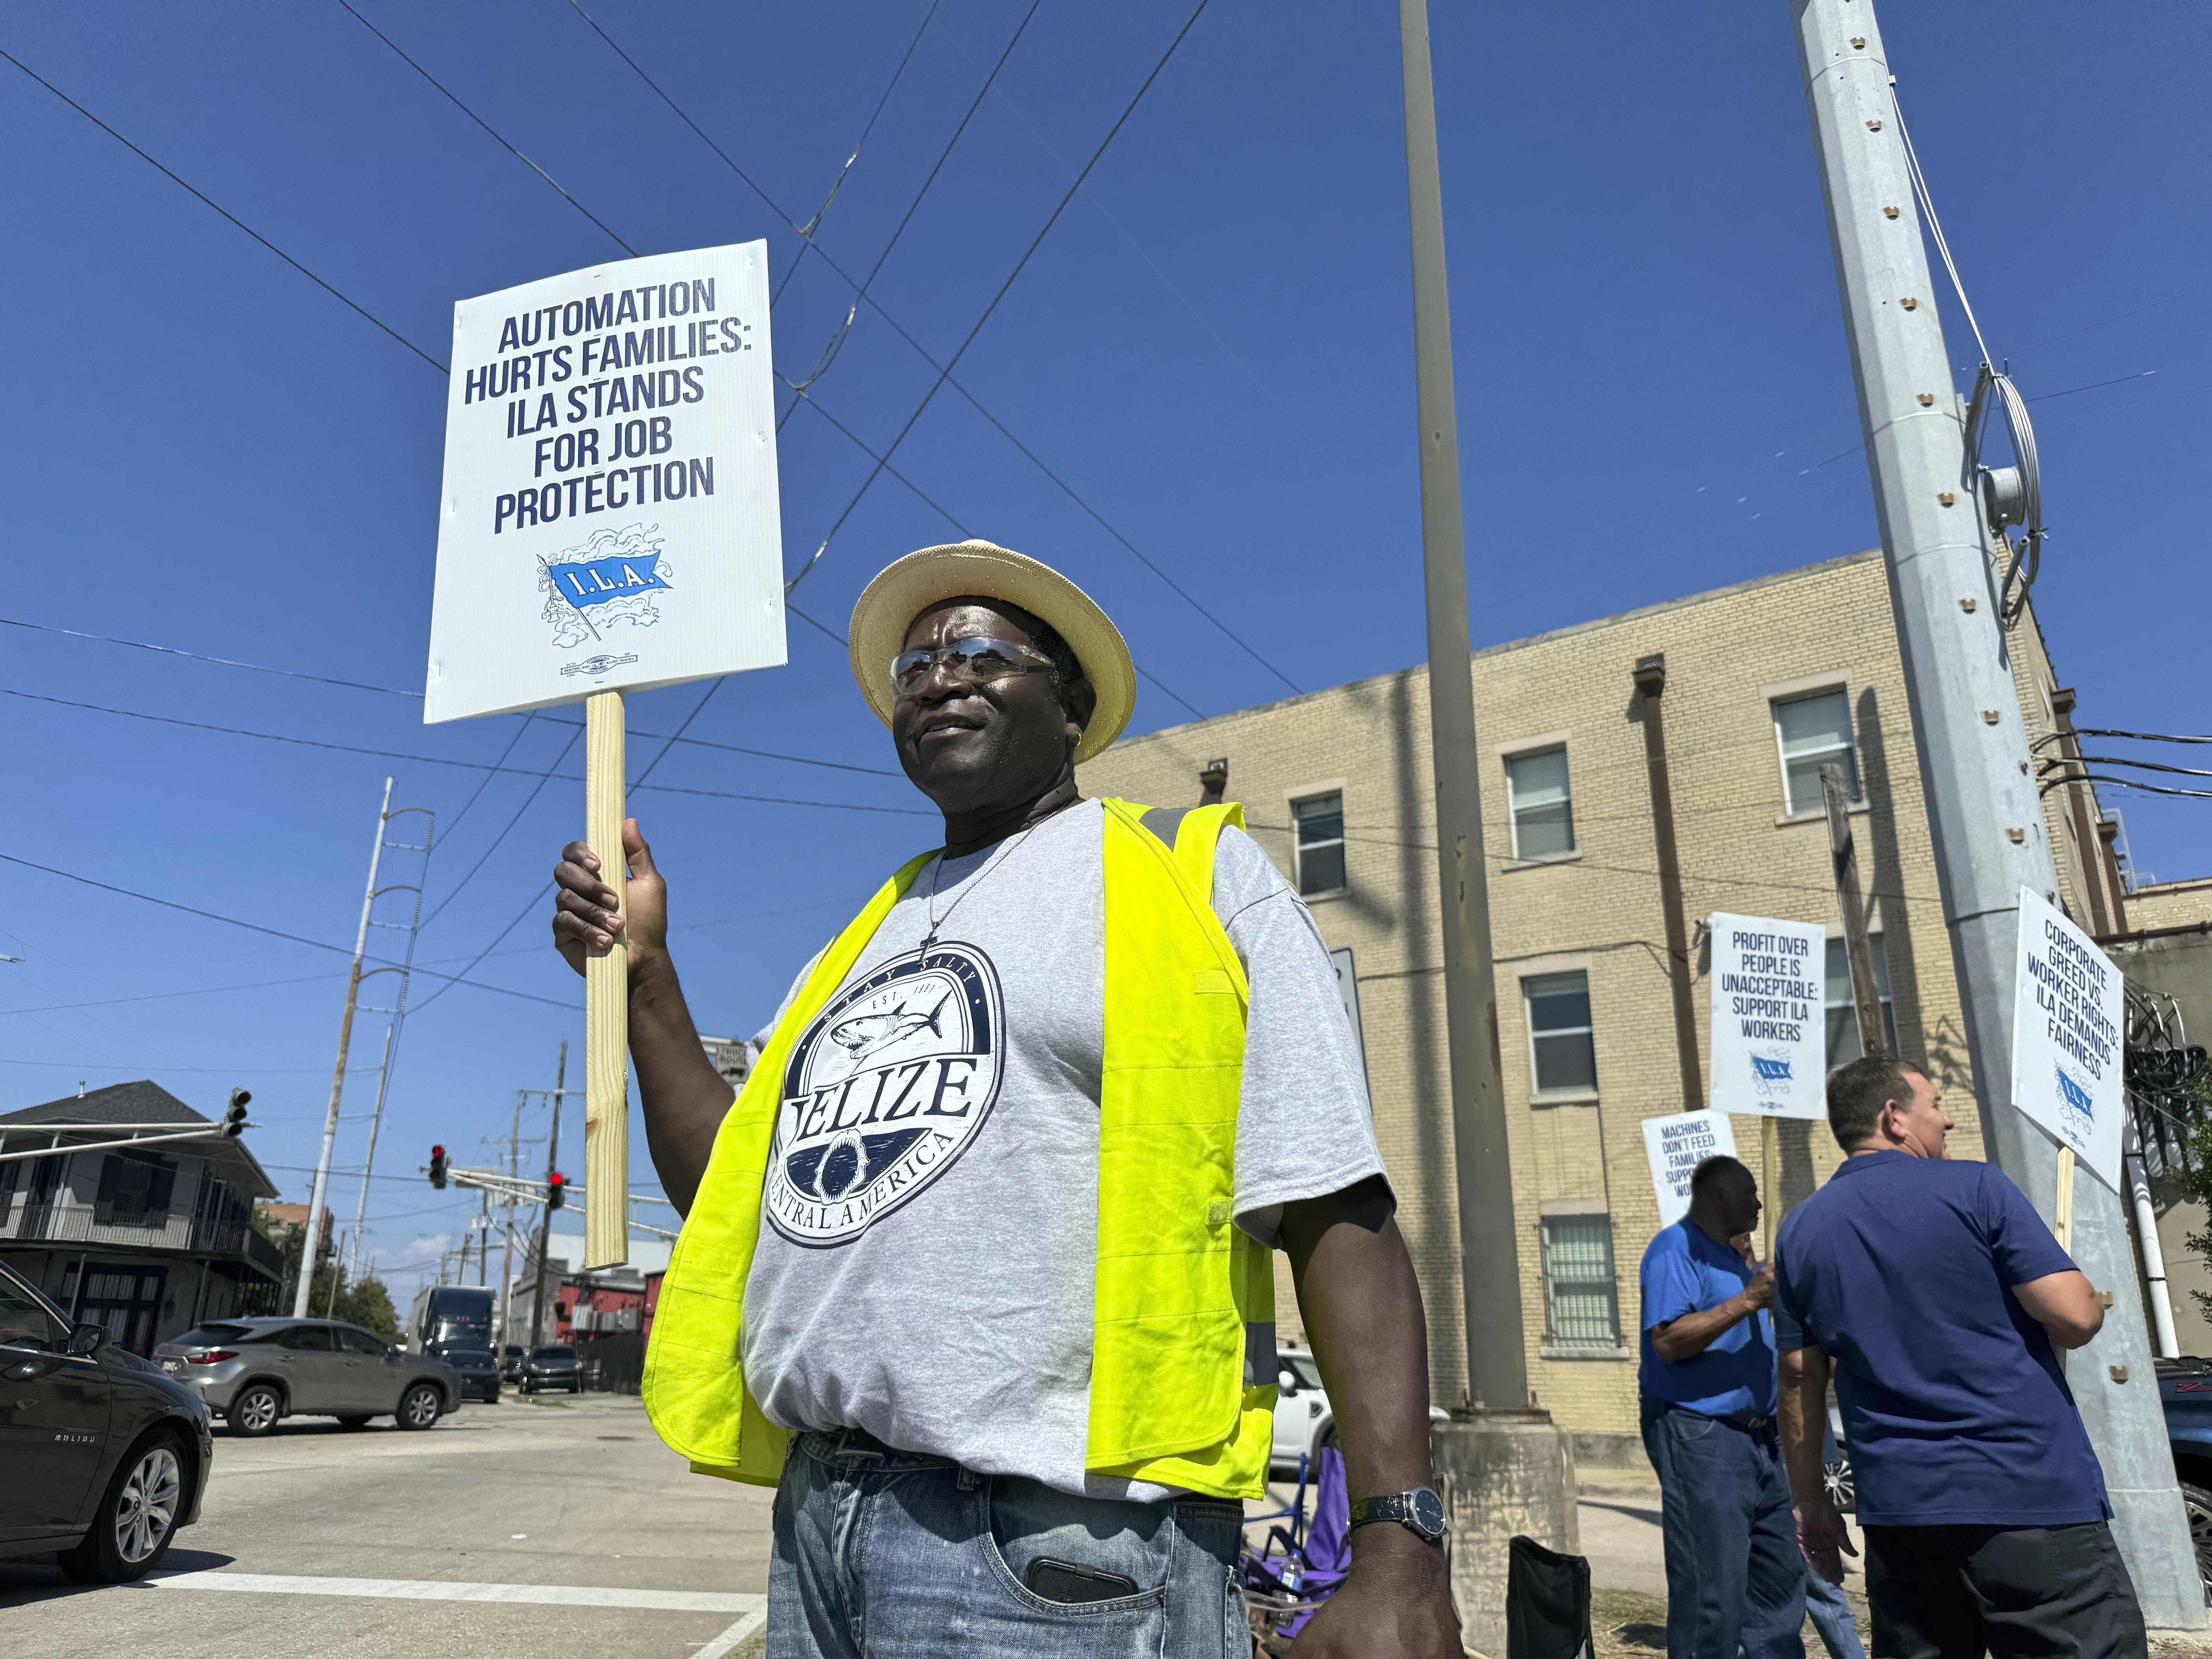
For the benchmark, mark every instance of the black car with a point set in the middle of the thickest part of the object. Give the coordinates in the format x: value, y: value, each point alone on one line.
x: 510, y: 1363
x: 552, y: 1366
x: 475, y: 1366
x: 102, y: 1457
x: 2184, y: 1391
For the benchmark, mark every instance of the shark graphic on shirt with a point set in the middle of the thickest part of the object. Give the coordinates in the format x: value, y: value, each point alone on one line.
x: 863, y: 1037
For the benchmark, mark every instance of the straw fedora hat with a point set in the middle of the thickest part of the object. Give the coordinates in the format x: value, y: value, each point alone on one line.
x: 910, y: 586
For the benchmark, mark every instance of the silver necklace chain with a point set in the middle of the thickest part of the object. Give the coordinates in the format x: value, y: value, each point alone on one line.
x: 937, y: 874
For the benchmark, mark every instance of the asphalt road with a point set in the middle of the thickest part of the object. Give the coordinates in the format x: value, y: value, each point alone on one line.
x: 561, y: 1522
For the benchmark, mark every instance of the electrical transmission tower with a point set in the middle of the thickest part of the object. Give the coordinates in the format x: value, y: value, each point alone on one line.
x: 395, y: 906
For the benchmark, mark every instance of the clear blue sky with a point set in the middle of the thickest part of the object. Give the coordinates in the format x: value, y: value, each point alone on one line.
x: 1212, y: 347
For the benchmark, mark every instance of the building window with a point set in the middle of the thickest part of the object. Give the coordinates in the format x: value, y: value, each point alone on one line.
x: 1814, y: 732
x: 1543, y: 812
x: 1321, y: 844
x: 135, y: 1188
x: 1581, y: 1306
x: 1562, y: 1054
x: 1843, y: 1043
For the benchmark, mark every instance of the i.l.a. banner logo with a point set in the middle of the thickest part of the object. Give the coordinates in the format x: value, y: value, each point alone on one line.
x: 1770, y: 1074
x: 2078, y: 1106
x: 612, y: 578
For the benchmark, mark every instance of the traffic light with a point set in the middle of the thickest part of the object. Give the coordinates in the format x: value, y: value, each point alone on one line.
x: 233, y: 1120
x: 438, y: 1167
x: 557, y: 1190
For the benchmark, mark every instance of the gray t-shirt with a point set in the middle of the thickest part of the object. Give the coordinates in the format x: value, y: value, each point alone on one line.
x: 929, y: 1243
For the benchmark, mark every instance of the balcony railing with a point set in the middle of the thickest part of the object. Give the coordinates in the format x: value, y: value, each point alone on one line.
x: 26, y: 1222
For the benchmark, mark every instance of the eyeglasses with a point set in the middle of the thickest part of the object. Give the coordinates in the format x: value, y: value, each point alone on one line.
x: 970, y: 662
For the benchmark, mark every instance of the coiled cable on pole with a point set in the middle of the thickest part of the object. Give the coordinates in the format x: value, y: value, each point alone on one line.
x: 2009, y: 495
x: 2006, y: 496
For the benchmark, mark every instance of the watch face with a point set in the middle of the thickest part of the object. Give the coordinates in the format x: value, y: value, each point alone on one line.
x: 1428, y: 1512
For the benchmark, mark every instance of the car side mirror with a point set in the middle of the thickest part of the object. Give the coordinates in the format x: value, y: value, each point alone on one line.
x: 85, y: 1340
x: 1287, y: 1381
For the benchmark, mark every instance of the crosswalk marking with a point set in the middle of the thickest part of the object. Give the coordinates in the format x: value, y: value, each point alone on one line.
x: 439, y: 1589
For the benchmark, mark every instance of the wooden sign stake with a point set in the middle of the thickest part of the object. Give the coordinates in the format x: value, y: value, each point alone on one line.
x: 2062, y: 1207
x: 606, y: 999
x: 1769, y: 1179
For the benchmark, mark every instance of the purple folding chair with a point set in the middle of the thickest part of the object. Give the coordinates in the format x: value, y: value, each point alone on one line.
x: 1285, y: 1590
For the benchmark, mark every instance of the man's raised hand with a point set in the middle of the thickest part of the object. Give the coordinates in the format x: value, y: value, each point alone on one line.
x: 584, y: 915
x: 1760, y: 1292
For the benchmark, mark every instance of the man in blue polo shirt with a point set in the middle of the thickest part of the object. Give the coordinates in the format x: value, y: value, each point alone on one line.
x: 1941, y: 1299
x: 1735, y: 1579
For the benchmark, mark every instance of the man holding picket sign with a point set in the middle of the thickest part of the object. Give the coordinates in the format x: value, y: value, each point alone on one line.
x: 977, y: 1270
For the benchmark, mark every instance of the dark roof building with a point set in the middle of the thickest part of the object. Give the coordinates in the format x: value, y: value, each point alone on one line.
x: 146, y: 1238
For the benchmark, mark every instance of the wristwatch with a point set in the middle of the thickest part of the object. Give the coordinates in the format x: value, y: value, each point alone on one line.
x: 1420, y: 1511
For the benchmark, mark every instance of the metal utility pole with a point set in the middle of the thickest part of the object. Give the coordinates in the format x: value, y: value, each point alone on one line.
x: 1497, y: 1370
x: 545, y: 1215
x: 314, y: 1238
x: 506, y: 1255
x: 398, y: 1012
x: 1505, y: 1466
x: 1976, y: 767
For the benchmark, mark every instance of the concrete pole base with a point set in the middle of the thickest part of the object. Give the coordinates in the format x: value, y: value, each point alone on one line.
x: 1501, y: 1473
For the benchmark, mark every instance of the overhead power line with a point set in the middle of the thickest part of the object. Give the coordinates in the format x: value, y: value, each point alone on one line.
x: 1020, y: 265
x: 808, y: 397
x: 2140, y: 736
x: 838, y: 184
x: 539, y: 898
x: 500, y: 840
x: 199, y: 656
x: 343, y: 299
x: 496, y: 137
x: 804, y: 235
x: 837, y: 342
x: 2049, y: 784
x: 466, y: 765
x: 272, y: 933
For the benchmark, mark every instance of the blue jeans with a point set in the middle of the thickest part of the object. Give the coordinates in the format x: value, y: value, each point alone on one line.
x: 1735, y: 1575
x: 1830, y: 1610
x: 893, y: 1555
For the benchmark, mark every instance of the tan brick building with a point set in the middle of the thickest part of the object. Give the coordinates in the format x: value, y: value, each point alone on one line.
x: 1763, y: 681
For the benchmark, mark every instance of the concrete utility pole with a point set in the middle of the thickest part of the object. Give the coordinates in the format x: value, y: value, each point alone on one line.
x: 1505, y: 1467
x: 545, y: 1215
x: 314, y: 1238
x: 1975, y: 764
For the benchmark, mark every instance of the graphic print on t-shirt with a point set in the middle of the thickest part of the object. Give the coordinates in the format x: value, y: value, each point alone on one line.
x: 887, y: 1087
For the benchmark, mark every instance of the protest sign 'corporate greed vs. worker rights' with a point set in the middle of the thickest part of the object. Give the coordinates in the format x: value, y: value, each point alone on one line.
x: 1770, y: 1027
x: 2069, y: 1013
x: 610, y: 518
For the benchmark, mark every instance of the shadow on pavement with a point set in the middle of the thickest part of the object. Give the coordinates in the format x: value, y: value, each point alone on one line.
x: 38, y: 1578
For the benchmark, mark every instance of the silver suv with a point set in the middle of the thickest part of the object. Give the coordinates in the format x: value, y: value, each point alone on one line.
x: 255, y: 1371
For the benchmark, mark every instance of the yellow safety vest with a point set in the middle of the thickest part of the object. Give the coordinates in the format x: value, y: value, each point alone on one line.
x: 1177, y: 1284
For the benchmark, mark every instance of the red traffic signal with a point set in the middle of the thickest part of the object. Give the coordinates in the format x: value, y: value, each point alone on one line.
x: 557, y: 1190
x: 438, y: 1167
x: 233, y: 1117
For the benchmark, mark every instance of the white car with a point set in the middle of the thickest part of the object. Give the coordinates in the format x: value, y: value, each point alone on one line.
x: 1303, y: 1420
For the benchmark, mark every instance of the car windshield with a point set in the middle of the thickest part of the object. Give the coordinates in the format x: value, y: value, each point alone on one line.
x: 553, y: 1353
x: 212, y: 1335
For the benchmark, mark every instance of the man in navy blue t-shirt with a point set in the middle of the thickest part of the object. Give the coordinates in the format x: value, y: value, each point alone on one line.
x: 1735, y: 1579
x: 1941, y: 1297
